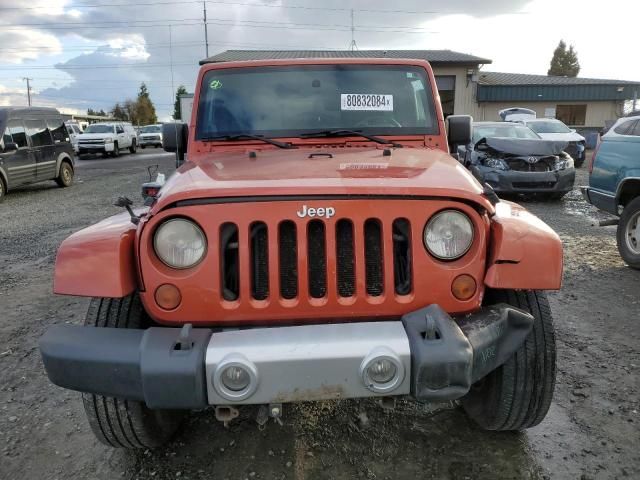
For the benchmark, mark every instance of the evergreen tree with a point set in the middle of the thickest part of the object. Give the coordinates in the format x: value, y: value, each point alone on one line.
x: 119, y: 113
x: 177, y: 114
x: 143, y: 109
x: 564, y: 62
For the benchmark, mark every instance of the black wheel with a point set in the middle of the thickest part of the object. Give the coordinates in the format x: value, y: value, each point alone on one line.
x: 518, y: 394
x: 3, y: 189
x: 65, y: 177
x: 628, y: 234
x: 116, y: 150
x: 132, y: 148
x: 125, y: 423
x: 143, y: 146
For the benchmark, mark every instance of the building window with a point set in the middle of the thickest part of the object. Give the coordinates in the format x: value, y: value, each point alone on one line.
x: 572, y: 114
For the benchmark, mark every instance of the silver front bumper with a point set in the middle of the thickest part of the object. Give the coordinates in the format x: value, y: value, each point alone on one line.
x: 306, y: 363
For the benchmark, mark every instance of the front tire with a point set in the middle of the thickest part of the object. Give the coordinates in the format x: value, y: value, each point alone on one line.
x: 65, y: 177
x: 3, y: 190
x: 125, y: 423
x: 628, y: 234
x: 116, y: 150
x: 517, y: 395
x: 132, y: 148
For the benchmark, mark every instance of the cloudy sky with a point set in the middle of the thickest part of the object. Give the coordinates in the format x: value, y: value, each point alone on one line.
x: 92, y: 53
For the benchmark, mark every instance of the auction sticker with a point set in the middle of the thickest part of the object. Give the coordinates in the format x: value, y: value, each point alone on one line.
x: 366, y: 101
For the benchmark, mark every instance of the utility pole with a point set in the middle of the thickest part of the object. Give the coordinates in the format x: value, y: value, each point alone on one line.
x: 28, y: 89
x: 353, y: 45
x: 206, y: 34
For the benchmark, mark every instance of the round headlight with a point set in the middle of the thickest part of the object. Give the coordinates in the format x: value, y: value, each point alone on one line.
x: 382, y: 370
x: 179, y: 243
x: 448, y: 235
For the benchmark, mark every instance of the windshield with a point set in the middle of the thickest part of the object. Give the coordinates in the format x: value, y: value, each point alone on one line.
x: 99, y: 129
x: 502, y: 131
x: 290, y: 101
x: 549, y: 127
x: 151, y: 129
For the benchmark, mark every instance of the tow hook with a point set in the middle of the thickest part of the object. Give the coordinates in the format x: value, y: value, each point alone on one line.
x: 273, y: 410
x: 226, y: 413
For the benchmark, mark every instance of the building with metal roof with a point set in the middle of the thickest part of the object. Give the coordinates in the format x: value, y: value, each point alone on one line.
x: 583, y: 103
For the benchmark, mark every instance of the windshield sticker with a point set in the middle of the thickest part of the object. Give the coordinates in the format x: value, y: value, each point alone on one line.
x: 215, y: 84
x: 366, y: 101
x: 364, y: 166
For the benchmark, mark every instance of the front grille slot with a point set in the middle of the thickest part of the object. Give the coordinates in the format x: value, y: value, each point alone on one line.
x: 345, y: 259
x: 317, y: 259
x: 402, y: 256
x: 288, y: 256
x: 229, y: 262
x: 374, y: 269
x: 258, y: 237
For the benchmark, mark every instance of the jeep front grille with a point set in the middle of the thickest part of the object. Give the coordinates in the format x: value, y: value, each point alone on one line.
x: 331, y: 258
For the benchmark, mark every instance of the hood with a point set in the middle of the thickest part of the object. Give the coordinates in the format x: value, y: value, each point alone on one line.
x: 94, y: 136
x: 323, y: 171
x: 524, y: 146
x: 567, y: 137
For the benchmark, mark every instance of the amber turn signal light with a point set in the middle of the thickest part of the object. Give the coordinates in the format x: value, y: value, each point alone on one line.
x: 463, y: 287
x: 168, y: 296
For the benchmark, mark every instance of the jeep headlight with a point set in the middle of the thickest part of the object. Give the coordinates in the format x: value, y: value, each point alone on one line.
x: 108, y: 140
x: 179, y: 243
x: 448, y: 235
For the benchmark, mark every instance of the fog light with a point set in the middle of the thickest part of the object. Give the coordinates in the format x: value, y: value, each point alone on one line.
x: 463, y: 287
x: 381, y: 370
x: 168, y: 296
x: 235, y: 378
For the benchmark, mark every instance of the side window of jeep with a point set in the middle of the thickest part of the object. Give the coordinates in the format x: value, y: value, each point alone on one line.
x: 58, y: 130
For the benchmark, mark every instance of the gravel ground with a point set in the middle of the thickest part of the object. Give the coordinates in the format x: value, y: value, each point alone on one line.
x: 591, y: 432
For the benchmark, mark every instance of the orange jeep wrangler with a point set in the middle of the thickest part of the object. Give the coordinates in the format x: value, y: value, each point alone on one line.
x: 319, y: 242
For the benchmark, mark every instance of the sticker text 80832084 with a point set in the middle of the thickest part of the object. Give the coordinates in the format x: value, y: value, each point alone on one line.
x: 366, y: 101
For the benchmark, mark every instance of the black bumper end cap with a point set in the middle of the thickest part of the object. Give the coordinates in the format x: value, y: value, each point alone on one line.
x: 448, y: 357
x: 144, y: 365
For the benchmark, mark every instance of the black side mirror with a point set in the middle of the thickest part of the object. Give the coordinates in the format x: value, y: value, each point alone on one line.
x: 458, y: 131
x: 10, y: 147
x: 175, y: 137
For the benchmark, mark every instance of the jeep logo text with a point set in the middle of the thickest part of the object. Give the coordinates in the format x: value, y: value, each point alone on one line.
x: 326, y: 212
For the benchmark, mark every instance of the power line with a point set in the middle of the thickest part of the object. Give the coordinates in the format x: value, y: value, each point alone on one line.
x: 246, y: 4
x: 230, y: 22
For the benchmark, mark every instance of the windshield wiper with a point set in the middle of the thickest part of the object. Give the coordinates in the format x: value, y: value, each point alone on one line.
x: 348, y: 133
x: 242, y: 136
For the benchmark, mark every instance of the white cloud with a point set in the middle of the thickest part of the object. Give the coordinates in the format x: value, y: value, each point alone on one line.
x: 27, y: 44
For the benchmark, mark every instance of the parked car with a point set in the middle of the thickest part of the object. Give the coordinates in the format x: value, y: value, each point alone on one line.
x: 301, y: 255
x: 552, y: 129
x: 74, y: 131
x: 614, y: 184
x: 513, y: 159
x: 108, y: 138
x: 34, y: 147
x: 151, y: 135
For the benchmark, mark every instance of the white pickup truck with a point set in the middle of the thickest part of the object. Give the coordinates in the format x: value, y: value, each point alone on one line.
x: 108, y: 138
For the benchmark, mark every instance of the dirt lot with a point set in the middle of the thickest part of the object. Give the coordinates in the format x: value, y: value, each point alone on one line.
x: 592, y: 430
